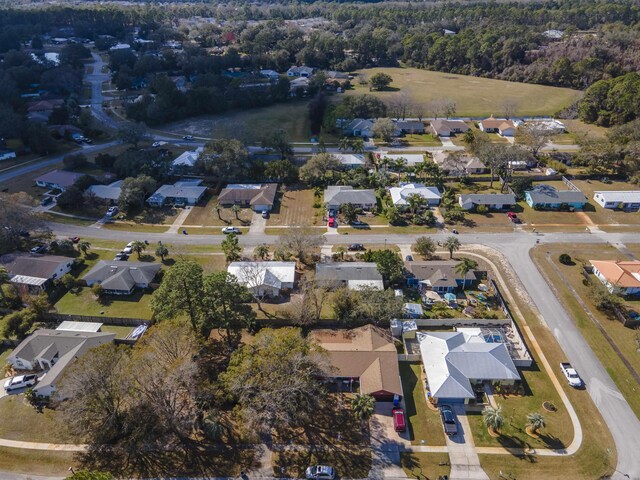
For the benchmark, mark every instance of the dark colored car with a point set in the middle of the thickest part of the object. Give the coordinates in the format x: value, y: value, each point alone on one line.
x: 46, y: 201
x: 358, y: 224
x: 356, y: 247
x: 448, y: 420
x: 123, y: 257
x: 408, y: 258
x: 74, y: 239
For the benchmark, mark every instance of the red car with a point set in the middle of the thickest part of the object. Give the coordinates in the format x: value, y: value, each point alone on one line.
x: 332, y: 222
x: 399, y: 421
x: 74, y: 239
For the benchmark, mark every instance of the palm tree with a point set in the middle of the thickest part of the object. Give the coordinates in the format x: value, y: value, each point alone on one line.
x: 452, y: 244
x: 261, y: 251
x: 83, y: 246
x: 535, y: 421
x: 493, y: 418
x: 340, y: 251
x: 363, y: 406
x: 162, y: 251
x: 357, y: 145
x: 415, y: 201
x: 236, y: 209
x: 344, y: 144
x: 464, y: 267
x: 138, y: 247
x: 216, y: 207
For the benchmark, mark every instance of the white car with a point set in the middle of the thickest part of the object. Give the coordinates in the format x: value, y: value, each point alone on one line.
x: 320, y: 472
x: 112, y: 211
x: 572, y: 376
x: 20, y: 381
x: 128, y: 249
x: 158, y: 144
x: 227, y: 230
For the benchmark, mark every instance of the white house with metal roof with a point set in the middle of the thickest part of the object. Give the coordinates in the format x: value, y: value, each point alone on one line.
x: 265, y: 279
x: 625, y: 200
x: 109, y: 192
x: 456, y: 363
x: 400, y: 194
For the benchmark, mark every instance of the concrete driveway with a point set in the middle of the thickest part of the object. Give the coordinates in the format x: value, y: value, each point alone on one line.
x: 386, y: 444
x: 258, y: 224
x: 462, y: 451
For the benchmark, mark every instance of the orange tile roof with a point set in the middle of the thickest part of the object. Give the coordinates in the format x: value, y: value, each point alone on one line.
x: 621, y: 273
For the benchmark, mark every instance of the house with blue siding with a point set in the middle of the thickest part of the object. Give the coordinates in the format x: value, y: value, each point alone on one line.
x: 547, y: 197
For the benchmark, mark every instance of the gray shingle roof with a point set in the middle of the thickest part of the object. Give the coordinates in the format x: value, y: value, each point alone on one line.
x: 339, y: 194
x: 346, y: 271
x: 436, y: 274
x: 548, y: 194
x: 37, y: 267
x: 122, y: 276
x: 488, y: 198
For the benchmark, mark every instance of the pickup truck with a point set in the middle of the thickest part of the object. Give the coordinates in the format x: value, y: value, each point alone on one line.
x: 448, y: 420
x: 572, y: 376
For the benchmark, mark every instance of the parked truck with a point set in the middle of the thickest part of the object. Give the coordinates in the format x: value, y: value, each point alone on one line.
x: 572, y: 376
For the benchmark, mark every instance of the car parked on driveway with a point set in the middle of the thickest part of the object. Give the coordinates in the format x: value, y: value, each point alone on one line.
x: 38, y: 249
x: 111, y: 211
x: 358, y: 224
x: 448, y: 420
x: 122, y: 257
x: 320, y: 472
x: 408, y: 258
x: 399, y: 420
x: 265, y: 214
x: 228, y: 230
x: 332, y: 222
x: 46, y: 201
x: 21, y: 381
x: 74, y: 239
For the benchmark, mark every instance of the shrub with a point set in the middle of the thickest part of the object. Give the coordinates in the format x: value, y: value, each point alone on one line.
x: 565, y: 259
x: 482, y: 209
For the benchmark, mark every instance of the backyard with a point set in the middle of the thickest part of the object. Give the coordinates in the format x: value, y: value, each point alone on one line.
x: 136, y: 305
x: 474, y: 96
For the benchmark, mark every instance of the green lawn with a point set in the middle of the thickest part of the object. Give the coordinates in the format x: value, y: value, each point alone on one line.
x: 20, y: 421
x: 136, y: 305
x: 36, y: 462
x: 120, y: 331
x: 424, y: 424
x: 474, y: 96
x: 425, y: 465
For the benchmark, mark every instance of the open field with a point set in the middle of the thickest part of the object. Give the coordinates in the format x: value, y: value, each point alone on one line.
x: 295, y: 207
x: 597, y: 453
x: 474, y: 96
x: 291, y: 116
x: 624, y: 338
x: 425, y: 427
x: 136, y: 305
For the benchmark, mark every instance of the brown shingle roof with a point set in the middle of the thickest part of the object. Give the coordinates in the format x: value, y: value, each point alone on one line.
x: 367, y: 353
x: 265, y: 195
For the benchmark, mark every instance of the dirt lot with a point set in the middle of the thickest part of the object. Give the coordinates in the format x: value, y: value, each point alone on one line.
x: 295, y: 207
x: 207, y: 215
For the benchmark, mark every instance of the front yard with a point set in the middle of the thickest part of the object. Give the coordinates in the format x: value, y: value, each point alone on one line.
x: 20, y: 421
x: 207, y: 216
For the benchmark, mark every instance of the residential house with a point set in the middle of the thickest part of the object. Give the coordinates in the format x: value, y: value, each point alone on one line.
x: 186, y: 161
x: 37, y: 274
x: 628, y: 200
x: 270, y: 74
x: 302, y: 71
x: 493, y: 201
x: 6, y: 154
x: 457, y: 364
x: 351, y: 160
x: 265, y: 279
x: 41, y: 110
x: 52, y: 351
x: 260, y: 197
x: 353, y: 275
x: 501, y: 126
x: 185, y: 192
x: 298, y: 85
x: 409, y: 126
x: 552, y: 126
x: 121, y: 278
x: 553, y: 34
x: 366, y: 355
x: 336, y: 195
x: 58, y: 179
x: 547, y: 197
x: 400, y: 194
x: 336, y: 81
x: 120, y: 46
x: 412, y: 159
x: 109, y: 192
x: 453, y: 163
x: 446, y: 128
x: 437, y: 276
x: 358, y: 127
x: 621, y: 277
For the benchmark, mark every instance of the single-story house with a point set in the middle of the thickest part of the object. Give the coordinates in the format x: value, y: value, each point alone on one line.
x: 621, y: 277
x: 553, y: 34
x: 353, y: 275
x: 333, y: 75
x: 186, y: 160
x: 493, y: 201
x: 625, y: 200
x: 456, y: 164
x: 37, y: 274
x: 336, y: 195
x: 121, y: 278
x: 58, y: 179
x: 409, y: 126
x: 446, y: 128
x: 359, y: 127
x: 366, y: 355
x: 546, y: 196
x: 553, y: 125
x: 456, y: 364
x: 297, y: 84
x: 7, y: 154
x: 109, y: 192
x: 501, y: 126
x: 185, y: 192
x: 259, y: 196
x: 43, y: 106
x: 400, y: 194
x: 437, y: 276
x: 270, y: 74
x: 351, y: 160
x: 52, y: 351
x: 302, y: 71
x: 265, y: 279
x: 412, y: 159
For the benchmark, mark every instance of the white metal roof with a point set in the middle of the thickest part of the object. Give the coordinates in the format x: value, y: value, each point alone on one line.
x: 621, y: 196
x: 26, y: 280
x: 80, y: 326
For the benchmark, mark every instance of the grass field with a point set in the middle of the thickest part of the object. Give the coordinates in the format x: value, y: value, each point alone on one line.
x: 206, y: 215
x: 474, y: 96
x: 295, y: 207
